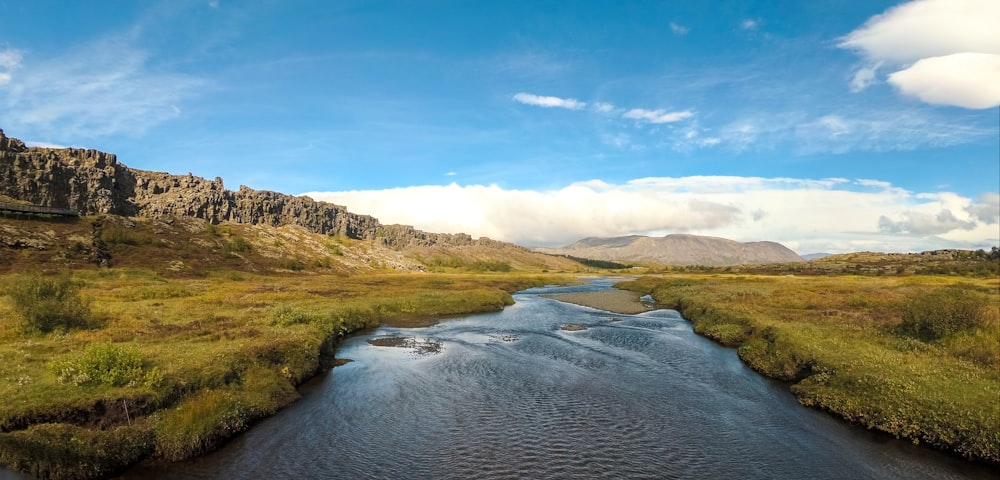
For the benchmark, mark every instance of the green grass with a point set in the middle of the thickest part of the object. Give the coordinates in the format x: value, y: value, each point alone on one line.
x: 178, y: 365
x: 859, y: 346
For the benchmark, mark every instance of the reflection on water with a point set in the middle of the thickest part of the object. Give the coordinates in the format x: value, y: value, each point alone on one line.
x: 513, y: 395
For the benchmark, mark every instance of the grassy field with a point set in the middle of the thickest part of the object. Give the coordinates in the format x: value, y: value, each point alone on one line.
x: 141, y: 364
x: 915, y: 356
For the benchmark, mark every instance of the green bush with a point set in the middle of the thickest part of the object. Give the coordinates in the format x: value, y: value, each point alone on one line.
x: 236, y: 246
x: 107, y: 364
x: 942, y: 312
x: 47, y: 304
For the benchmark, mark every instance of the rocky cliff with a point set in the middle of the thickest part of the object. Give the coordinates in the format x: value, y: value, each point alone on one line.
x: 95, y: 183
x: 678, y: 249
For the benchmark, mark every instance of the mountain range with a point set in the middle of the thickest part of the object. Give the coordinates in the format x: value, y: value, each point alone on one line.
x: 677, y: 249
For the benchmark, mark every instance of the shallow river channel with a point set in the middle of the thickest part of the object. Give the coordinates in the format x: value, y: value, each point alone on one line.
x: 512, y: 395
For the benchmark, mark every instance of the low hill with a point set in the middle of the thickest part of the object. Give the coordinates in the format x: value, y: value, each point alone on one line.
x: 677, y: 249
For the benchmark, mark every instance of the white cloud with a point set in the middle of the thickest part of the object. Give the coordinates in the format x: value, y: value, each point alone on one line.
x: 986, y: 208
x: 101, y: 88
x: 928, y: 28
x: 548, y: 102
x: 807, y: 215
x: 749, y: 24
x: 924, y: 224
x: 657, y: 116
x: 678, y: 29
x: 970, y: 80
x: 451, y: 174
x: 942, y: 48
x: 32, y: 143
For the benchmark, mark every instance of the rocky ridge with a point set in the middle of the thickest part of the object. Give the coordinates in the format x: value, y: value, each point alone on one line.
x: 95, y: 183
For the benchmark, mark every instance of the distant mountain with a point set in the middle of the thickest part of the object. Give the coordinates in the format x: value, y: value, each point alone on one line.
x: 814, y: 256
x: 677, y: 249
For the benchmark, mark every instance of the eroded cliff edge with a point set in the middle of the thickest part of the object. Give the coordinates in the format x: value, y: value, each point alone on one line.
x: 94, y: 183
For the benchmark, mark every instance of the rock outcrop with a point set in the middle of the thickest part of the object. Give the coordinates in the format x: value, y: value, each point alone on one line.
x: 678, y: 249
x: 94, y: 183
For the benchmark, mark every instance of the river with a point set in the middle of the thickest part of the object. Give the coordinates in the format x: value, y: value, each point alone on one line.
x: 512, y: 395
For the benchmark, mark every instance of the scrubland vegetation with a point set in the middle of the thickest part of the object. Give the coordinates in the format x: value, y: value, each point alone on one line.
x: 104, y: 367
x: 196, y: 330
x: 916, y: 356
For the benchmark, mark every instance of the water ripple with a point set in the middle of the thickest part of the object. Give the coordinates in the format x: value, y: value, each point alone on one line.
x: 510, y: 395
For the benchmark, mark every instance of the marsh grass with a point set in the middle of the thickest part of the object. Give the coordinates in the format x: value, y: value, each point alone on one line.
x: 916, y: 356
x: 196, y: 359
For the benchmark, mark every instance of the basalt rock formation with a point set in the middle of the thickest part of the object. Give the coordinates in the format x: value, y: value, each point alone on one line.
x: 95, y: 183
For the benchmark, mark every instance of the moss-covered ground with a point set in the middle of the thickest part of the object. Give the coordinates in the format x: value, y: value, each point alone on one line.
x: 915, y: 356
x: 172, y: 367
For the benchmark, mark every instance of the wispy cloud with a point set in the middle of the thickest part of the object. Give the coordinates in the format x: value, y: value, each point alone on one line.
x: 864, y: 77
x: 749, y: 24
x: 678, y: 29
x: 946, y: 51
x: 657, y: 116
x: 808, y: 215
x: 529, y: 64
x: 102, y: 88
x: 10, y: 60
x: 548, y: 102
x: 603, y: 107
x: 849, y: 129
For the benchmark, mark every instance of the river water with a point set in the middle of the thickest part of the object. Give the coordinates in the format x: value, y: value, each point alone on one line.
x: 512, y: 395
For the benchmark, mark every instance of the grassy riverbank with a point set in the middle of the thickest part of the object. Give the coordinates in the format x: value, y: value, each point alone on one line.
x: 145, y: 365
x: 915, y: 356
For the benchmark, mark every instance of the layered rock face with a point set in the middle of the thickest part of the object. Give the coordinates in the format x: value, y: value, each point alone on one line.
x: 93, y: 183
x: 87, y: 181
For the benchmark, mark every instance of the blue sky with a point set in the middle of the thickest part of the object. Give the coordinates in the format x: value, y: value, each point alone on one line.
x: 825, y: 125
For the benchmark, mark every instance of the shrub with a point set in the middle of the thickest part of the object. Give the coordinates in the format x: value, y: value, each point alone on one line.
x: 47, y: 304
x: 292, y: 264
x: 284, y: 315
x: 120, y: 235
x: 107, y: 364
x: 236, y: 246
x: 942, y: 312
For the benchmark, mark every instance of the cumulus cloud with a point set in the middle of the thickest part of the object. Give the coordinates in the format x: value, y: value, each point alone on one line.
x: 942, y: 49
x: 807, y: 215
x: 656, y: 116
x: 924, y: 224
x: 970, y: 80
x: 548, y: 102
x: 102, y: 88
x: 986, y: 208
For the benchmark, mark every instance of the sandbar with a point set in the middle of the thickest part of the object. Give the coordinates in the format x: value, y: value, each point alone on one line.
x: 618, y: 301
